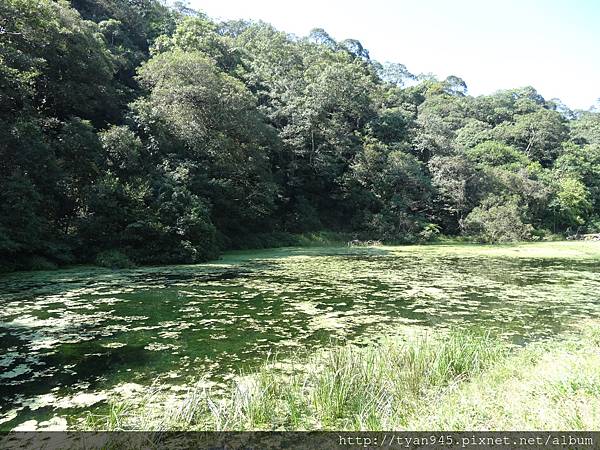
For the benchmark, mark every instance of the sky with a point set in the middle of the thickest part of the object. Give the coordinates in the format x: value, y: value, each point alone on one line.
x: 552, y: 45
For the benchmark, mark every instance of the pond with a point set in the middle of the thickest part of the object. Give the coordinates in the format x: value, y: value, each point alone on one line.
x: 70, y: 339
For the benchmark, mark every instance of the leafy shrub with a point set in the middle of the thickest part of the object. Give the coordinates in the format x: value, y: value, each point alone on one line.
x: 176, y: 229
x: 6, y: 267
x: 594, y: 225
x: 58, y: 253
x: 495, y: 221
x: 263, y: 240
x: 285, y: 239
x: 393, y: 226
x: 39, y: 263
x: 572, y: 201
x: 304, y: 217
x: 324, y: 238
x: 114, y: 259
x: 430, y: 232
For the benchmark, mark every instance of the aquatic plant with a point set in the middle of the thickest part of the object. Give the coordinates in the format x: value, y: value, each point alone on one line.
x: 452, y: 381
x: 345, y: 387
x: 72, y: 338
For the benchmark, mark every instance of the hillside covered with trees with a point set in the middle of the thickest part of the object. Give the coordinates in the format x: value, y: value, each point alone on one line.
x: 130, y: 130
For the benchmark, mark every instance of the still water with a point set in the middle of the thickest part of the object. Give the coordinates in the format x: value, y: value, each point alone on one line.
x: 70, y: 339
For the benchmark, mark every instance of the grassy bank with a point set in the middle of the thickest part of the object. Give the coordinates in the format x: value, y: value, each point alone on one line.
x: 545, y: 386
x: 452, y: 382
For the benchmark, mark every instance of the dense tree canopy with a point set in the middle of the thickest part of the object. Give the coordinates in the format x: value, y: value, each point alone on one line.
x: 134, y: 131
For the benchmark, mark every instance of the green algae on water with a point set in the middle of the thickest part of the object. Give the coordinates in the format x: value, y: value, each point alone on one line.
x: 73, y: 338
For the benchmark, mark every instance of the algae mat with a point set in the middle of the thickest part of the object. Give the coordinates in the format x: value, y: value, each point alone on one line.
x: 70, y: 339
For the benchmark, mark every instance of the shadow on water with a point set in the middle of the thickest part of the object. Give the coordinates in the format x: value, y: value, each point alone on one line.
x: 63, y: 280
x: 83, y: 364
x: 56, y: 282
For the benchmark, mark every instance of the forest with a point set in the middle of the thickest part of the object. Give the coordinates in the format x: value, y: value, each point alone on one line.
x: 136, y: 133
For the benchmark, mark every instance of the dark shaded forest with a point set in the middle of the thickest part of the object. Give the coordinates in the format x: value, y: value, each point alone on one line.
x: 132, y: 132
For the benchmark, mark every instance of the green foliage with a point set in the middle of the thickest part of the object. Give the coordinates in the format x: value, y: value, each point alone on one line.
x: 286, y: 239
x: 572, y: 201
x: 497, y: 221
x: 459, y: 186
x: 193, y: 97
x: 398, y: 190
x: 496, y: 154
x: 537, y: 134
x: 71, y: 74
x: 39, y: 263
x: 473, y: 133
x: 113, y: 259
x: 376, y: 387
x: 175, y: 229
x: 159, y: 132
x: 586, y: 128
x: 593, y: 224
x: 544, y: 385
x: 583, y: 164
x: 430, y: 232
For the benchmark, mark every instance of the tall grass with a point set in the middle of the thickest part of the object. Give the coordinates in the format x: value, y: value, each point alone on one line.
x: 345, y: 387
x: 547, y: 385
x: 284, y: 239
